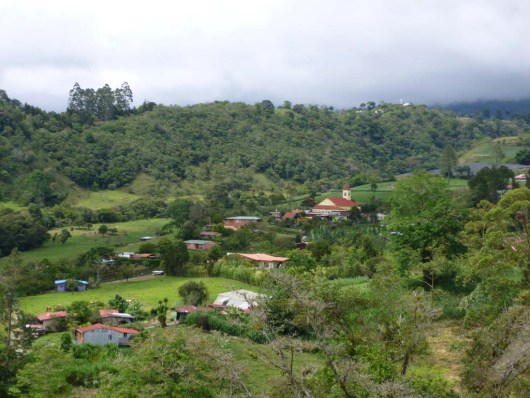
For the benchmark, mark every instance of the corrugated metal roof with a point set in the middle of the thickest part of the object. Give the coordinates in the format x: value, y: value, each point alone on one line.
x: 97, y: 326
x: 51, y: 315
x: 264, y: 257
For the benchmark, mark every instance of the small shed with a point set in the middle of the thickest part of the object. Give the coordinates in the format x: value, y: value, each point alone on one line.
x: 100, y: 334
x: 196, y: 244
x: 115, y: 317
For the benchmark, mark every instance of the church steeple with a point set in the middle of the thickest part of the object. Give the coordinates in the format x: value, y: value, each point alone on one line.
x: 346, y: 192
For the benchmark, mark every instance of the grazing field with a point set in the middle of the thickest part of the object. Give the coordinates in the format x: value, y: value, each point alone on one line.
x: 83, y: 240
x: 485, y: 151
x: 106, y: 199
x: 146, y: 291
x: 364, y: 194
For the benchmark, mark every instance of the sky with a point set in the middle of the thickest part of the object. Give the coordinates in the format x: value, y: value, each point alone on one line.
x: 335, y: 52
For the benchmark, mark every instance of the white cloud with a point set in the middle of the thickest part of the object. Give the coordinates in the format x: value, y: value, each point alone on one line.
x: 337, y: 52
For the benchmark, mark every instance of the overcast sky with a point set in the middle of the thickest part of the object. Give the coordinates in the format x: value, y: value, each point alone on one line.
x: 332, y: 52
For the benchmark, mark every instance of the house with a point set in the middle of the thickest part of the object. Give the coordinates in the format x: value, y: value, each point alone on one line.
x: 196, y: 244
x: 265, y: 260
x: 61, y: 285
x: 242, y: 299
x: 100, y: 334
x: 137, y: 256
x: 208, y: 234
x: 115, y: 317
x: 48, y: 319
x: 520, y: 178
x: 145, y: 238
x: 125, y: 254
x: 293, y: 214
x: 337, y: 206
x: 240, y: 221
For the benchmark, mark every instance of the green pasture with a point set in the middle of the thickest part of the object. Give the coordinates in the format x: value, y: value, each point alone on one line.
x: 10, y: 205
x: 106, y: 199
x: 83, y: 240
x: 364, y: 193
x: 148, y: 292
x: 484, y: 152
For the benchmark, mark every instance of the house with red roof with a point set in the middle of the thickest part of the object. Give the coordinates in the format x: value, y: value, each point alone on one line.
x: 100, y: 334
x: 264, y: 260
x: 48, y: 319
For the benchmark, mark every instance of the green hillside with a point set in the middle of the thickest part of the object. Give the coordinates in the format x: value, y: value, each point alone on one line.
x: 157, y: 149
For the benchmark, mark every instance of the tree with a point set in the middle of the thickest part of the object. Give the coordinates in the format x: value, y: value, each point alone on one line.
x: 489, y: 184
x: 498, y: 153
x: 523, y: 156
x: 119, y: 303
x: 103, y: 229
x: 174, y: 256
x: 193, y: 293
x: 448, y: 161
x: 160, y: 312
x: 64, y: 236
x: 424, y: 222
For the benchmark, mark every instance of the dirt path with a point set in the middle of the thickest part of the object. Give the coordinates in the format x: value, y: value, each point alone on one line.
x: 448, y: 341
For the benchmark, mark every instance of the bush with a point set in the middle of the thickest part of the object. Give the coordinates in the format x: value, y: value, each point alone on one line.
x: 193, y: 293
x: 222, y: 324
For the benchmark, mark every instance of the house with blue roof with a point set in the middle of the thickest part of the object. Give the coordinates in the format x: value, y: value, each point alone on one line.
x: 61, y: 285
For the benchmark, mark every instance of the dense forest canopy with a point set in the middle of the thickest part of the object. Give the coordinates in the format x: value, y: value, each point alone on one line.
x: 100, y: 142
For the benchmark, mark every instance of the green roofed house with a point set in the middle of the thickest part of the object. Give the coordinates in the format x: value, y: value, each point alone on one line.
x: 196, y: 244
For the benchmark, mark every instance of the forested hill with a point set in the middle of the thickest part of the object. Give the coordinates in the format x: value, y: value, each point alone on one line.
x: 205, y: 141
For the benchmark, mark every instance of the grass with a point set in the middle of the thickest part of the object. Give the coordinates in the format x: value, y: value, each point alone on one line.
x: 484, y: 152
x: 83, y: 240
x: 147, y: 291
x: 11, y: 205
x: 106, y: 199
x: 364, y: 194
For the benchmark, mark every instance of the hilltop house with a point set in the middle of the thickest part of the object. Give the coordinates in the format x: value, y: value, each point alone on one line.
x: 99, y: 334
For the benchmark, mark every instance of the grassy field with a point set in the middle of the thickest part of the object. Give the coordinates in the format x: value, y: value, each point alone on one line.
x: 484, y: 152
x: 106, y: 199
x: 147, y: 291
x: 363, y: 193
x: 82, y: 240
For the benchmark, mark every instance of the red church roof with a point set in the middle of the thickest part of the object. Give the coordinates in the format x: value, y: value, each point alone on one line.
x: 343, y: 202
